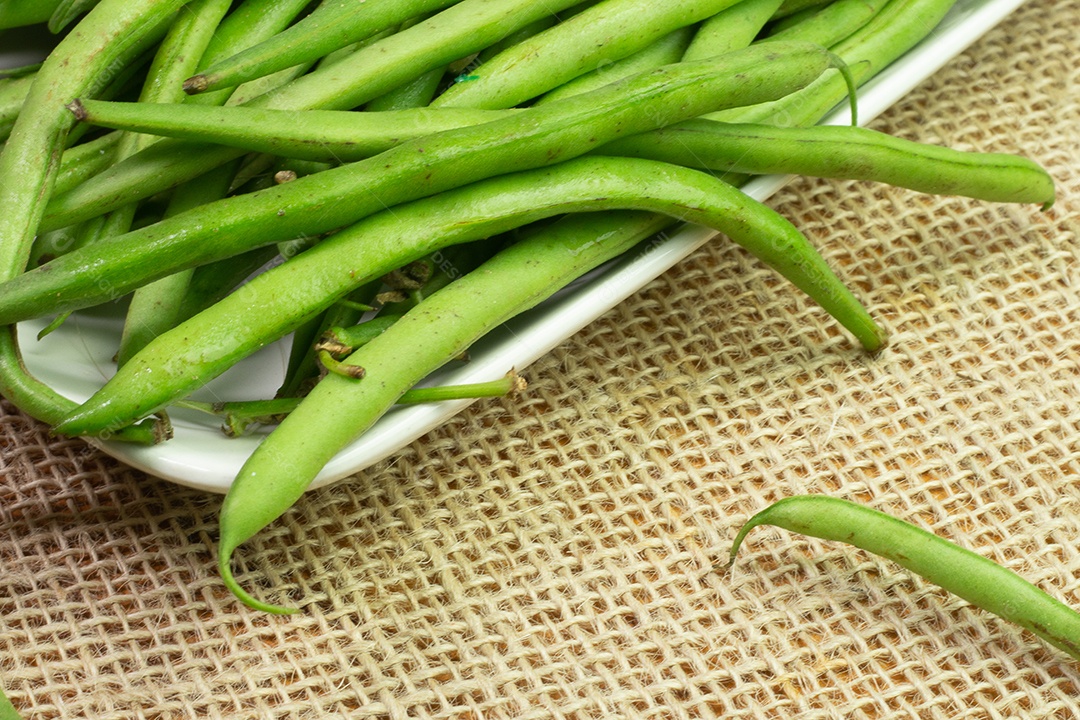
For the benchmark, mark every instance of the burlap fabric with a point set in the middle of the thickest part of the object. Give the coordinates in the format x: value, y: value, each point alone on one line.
x: 559, y: 555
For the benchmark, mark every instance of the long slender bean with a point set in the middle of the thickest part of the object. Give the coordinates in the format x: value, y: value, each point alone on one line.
x: 13, y: 93
x: 606, y: 32
x: 978, y: 580
x: 319, y: 203
x: 330, y: 27
x: 846, y: 152
x: 113, y: 34
x: 835, y: 151
x: 284, y: 464
x: 277, y: 301
x: 330, y: 135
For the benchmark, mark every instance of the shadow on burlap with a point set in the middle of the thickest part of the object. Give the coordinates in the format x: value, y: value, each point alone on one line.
x: 558, y: 555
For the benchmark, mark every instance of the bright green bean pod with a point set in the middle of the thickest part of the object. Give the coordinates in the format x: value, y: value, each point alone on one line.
x: 846, y: 152
x: 330, y: 27
x: 664, y: 51
x: 731, y: 29
x: 790, y: 7
x: 978, y: 580
x: 110, y: 37
x: 20, y: 13
x: 606, y: 32
x: 276, y: 302
x: 329, y: 135
x: 833, y: 23
x: 462, y: 29
x: 332, y: 199
x: 283, y: 465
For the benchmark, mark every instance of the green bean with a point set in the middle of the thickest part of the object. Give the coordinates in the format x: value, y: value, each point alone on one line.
x: 962, y: 572
x: 277, y: 301
x: 464, y: 28
x: 842, y: 152
x: 111, y: 36
x: 330, y: 27
x: 731, y: 29
x: 606, y: 32
x: 833, y: 23
x: 66, y: 13
x: 85, y: 160
x: 12, y: 96
x: 337, y: 135
x: 899, y: 26
x: 664, y: 51
x: 20, y: 13
x: 7, y: 710
x: 284, y: 464
x: 334, y: 198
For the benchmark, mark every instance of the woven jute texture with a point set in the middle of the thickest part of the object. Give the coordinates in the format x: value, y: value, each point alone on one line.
x: 561, y: 555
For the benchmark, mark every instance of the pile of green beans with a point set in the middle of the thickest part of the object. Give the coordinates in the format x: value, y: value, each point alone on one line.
x: 294, y: 169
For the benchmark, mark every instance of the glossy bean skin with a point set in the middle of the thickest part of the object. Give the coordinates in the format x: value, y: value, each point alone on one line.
x: 608, y: 31
x: 851, y: 153
x: 330, y: 27
x: 448, y: 322
x: 112, y: 35
x: 67, y: 12
x: 464, y: 28
x: 978, y: 580
x: 276, y: 302
x: 334, y: 198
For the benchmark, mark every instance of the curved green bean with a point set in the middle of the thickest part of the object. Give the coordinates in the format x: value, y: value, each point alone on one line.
x: 606, y: 32
x: 449, y: 321
x: 13, y: 93
x: 978, y: 580
x: 330, y: 27
x: 276, y: 302
x: 111, y: 36
x: 332, y: 199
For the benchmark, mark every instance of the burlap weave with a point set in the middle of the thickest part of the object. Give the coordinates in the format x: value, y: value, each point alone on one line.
x: 557, y: 556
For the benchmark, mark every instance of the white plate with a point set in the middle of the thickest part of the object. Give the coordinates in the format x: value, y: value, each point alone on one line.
x: 76, y: 359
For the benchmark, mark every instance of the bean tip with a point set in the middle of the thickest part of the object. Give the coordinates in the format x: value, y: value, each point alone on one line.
x: 196, y: 84
x: 77, y: 109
